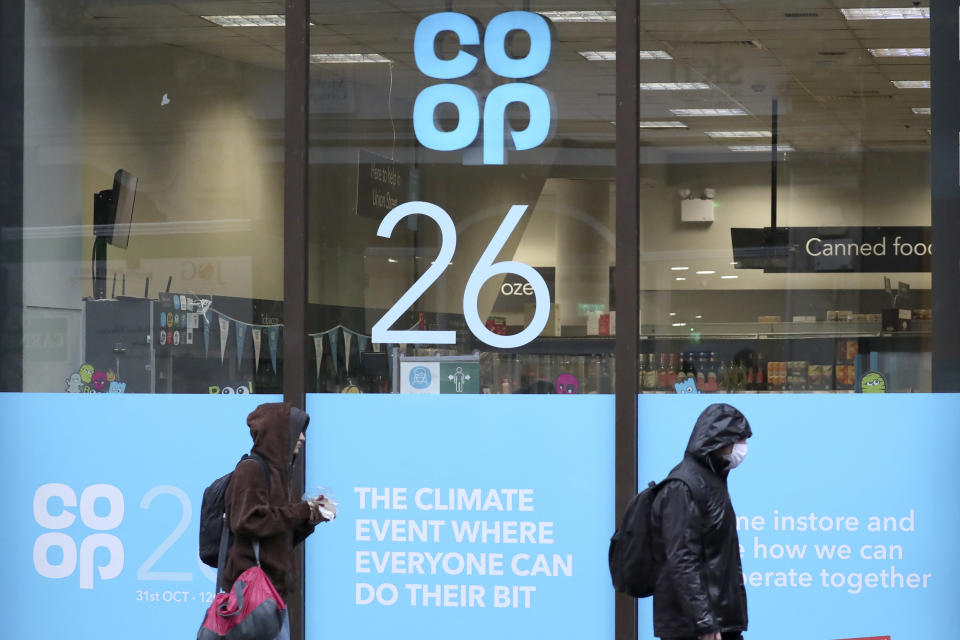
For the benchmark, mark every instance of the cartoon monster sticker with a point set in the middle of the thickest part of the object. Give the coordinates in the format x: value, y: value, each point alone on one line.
x: 86, y: 373
x: 118, y: 387
x: 873, y: 382
x: 74, y: 384
x: 567, y: 383
x: 98, y: 381
x: 687, y: 386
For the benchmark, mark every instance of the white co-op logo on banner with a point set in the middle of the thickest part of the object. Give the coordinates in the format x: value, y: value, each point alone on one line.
x: 466, y: 100
x: 73, y: 557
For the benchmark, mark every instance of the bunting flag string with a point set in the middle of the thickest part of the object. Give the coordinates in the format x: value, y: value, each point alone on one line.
x: 206, y: 335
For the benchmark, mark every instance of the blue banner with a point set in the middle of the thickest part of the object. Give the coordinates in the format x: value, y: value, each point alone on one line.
x: 846, y: 510
x: 101, y: 508
x: 479, y: 517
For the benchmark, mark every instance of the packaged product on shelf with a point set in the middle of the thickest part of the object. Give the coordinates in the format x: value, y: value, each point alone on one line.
x: 826, y: 376
x: 847, y: 350
x: 797, y: 375
x: 815, y: 376
x: 768, y: 318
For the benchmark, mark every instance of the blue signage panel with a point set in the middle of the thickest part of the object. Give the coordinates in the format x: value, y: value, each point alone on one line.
x: 846, y: 507
x: 466, y: 517
x: 101, y: 507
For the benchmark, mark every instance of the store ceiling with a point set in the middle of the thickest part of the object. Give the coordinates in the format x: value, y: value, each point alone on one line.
x: 833, y: 95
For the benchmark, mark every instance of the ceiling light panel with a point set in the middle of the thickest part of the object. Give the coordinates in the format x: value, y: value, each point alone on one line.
x: 708, y: 112
x: 921, y: 111
x: 739, y: 134
x: 664, y: 124
x: 900, y: 53
x: 909, y: 13
x: 580, y: 16
x: 748, y: 148
x: 346, y: 58
x: 599, y: 56
x: 247, y: 21
x: 911, y: 84
x: 674, y: 86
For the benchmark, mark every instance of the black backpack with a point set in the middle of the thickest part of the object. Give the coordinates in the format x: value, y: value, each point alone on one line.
x: 213, y: 515
x: 633, y: 569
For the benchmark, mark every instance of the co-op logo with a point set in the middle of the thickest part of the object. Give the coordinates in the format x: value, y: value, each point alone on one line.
x: 68, y: 558
x: 467, y: 101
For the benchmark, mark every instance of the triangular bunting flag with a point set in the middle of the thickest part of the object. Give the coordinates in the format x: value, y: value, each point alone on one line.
x: 318, y: 346
x: 224, y: 333
x: 206, y: 334
x: 347, y: 341
x: 241, y: 340
x: 273, y: 341
x: 334, y: 347
x: 257, y: 337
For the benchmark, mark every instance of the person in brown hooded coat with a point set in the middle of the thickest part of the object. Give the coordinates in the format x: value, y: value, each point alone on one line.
x: 277, y: 520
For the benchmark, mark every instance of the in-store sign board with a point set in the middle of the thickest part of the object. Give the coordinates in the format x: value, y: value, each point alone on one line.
x: 382, y: 184
x: 502, y: 63
x: 834, y: 249
x: 485, y: 269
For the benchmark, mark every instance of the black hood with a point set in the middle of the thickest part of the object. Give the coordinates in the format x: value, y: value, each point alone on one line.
x: 718, y: 426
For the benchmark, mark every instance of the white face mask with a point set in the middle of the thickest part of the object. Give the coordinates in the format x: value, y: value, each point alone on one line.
x: 737, y: 455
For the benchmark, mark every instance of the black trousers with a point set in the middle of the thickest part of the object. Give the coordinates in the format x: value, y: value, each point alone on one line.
x: 727, y: 636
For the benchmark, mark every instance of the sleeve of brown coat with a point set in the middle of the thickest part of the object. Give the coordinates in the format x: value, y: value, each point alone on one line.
x: 252, y: 515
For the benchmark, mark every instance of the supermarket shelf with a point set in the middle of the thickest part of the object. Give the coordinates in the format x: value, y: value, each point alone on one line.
x: 782, y: 330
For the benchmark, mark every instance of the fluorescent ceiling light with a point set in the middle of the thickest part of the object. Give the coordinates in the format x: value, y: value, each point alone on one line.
x: 247, y: 21
x: 599, y: 56
x: 679, y: 279
x: 654, y: 55
x: 673, y: 313
x: 708, y: 112
x: 346, y: 58
x: 595, y: 56
x: 699, y: 317
x: 739, y: 134
x: 729, y: 277
x: 761, y: 147
x: 580, y: 16
x: 911, y: 84
x: 674, y: 86
x: 679, y: 268
x: 392, y: 260
x: 679, y: 324
x: 910, y: 13
x: 705, y: 272
x: 922, y: 111
x: 664, y: 124
x: 900, y: 53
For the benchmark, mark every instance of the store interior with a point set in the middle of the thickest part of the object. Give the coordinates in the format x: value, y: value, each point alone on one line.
x: 194, y: 109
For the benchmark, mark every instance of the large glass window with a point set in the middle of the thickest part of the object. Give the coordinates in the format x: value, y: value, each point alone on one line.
x: 152, y: 198
x: 785, y: 197
x: 500, y: 124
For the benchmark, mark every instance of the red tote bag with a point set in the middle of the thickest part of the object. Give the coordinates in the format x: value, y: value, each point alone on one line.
x: 251, y: 610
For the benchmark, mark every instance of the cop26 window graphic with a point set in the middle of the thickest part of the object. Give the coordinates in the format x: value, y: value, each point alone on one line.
x: 493, y: 106
x: 101, y: 510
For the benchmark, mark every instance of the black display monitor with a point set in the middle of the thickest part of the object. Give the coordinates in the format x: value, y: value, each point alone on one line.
x: 112, y: 215
x: 113, y: 210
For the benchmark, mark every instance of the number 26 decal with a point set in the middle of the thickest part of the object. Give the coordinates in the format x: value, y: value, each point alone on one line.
x: 485, y: 269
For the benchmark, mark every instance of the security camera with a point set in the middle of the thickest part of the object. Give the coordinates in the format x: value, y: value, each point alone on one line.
x: 685, y: 194
x: 709, y: 194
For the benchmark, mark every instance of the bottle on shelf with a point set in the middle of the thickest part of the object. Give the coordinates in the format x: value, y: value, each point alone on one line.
x: 751, y: 374
x: 641, y: 369
x: 711, y: 375
x: 664, y: 375
x: 650, y: 374
x: 675, y: 366
x: 701, y: 371
x: 761, y: 381
x: 723, y: 373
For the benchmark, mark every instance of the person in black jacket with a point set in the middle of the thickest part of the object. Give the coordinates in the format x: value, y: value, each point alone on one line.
x: 699, y: 593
